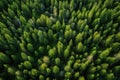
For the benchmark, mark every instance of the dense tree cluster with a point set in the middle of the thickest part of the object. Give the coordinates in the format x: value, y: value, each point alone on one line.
x: 59, y: 39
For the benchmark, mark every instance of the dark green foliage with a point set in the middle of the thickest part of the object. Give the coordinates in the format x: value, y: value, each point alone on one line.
x: 24, y: 56
x: 4, y: 58
x: 34, y: 72
x: 55, y: 69
x: 27, y: 65
x: 41, y: 77
x: 30, y: 47
x: 59, y: 39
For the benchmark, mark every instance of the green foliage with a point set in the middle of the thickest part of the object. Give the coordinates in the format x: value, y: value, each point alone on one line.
x: 25, y: 9
x: 83, y: 66
x: 43, y: 66
x: 104, y: 53
x: 34, y: 72
x: 57, y: 61
x: 9, y: 39
x: 46, y: 59
x: 76, y: 75
x: 103, y: 72
x: 117, y: 69
x: 27, y: 64
x: 90, y: 14
x: 118, y: 36
x: 31, y: 59
x: 79, y: 47
x: 92, y: 69
x: 60, y: 47
x: 41, y: 49
x: 30, y: 47
x: 79, y: 37
x: 24, y: 56
x: 55, y: 69
x: 51, y: 53
x: 68, y: 32
x: 76, y: 65
x: 4, y: 58
x: 104, y: 66
x: 22, y: 19
x: 11, y: 70
x: 48, y: 22
x: 108, y: 3
x: 57, y: 25
x: 68, y: 75
x: 48, y: 70
x: 41, y: 36
x: 50, y: 34
x: 110, y: 76
x: 90, y: 76
x: 41, y: 21
x: 59, y: 39
x: 109, y: 40
x: 41, y: 77
x: 81, y: 78
x: 11, y: 13
x: 18, y: 73
x: 96, y: 37
x: 66, y: 53
x: 25, y: 71
x: 67, y: 68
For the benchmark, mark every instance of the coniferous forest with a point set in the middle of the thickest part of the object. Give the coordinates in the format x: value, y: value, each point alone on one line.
x: 59, y: 40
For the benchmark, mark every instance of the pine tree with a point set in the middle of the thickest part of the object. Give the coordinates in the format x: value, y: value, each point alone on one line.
x: 56, y: 69
x: 4, y: 58
x: 79, y: 47
x: 30, y: 47
x: 27, y: 64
